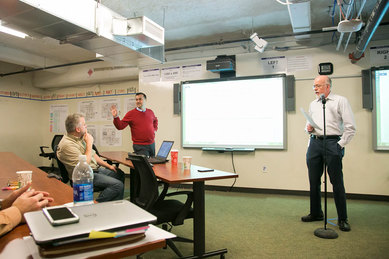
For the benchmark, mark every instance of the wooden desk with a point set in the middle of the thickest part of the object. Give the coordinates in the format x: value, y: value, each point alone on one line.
x: 173, y: 174
x: 9, y: 164
x: 62, y: 193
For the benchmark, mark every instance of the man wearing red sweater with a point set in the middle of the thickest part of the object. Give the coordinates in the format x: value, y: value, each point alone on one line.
x: 143, y: 124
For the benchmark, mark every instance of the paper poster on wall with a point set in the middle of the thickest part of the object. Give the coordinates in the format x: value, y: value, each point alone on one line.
x: 379, y: 55
x: 93, y: 130
x: 129, y: 104
x: 272, y: 65
x: 299, y: 63
x: 150, y: 75
x: 192, y: 71
x: 171, y: 74
x: 110, y: 136
x: 89, y: 109
x: 58, y: 114
x: 105, y: 108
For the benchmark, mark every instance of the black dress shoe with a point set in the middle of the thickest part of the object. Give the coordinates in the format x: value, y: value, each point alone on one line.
x: 310, y: 218
x: 344, y: 225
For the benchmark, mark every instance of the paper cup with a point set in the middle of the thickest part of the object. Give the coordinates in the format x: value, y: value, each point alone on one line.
x: 174, y: 156
x: 24, y: 177
x: 187, y: 160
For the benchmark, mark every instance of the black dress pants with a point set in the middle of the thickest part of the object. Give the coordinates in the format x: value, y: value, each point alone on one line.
x: 315, y: 164
x: 147, y: 150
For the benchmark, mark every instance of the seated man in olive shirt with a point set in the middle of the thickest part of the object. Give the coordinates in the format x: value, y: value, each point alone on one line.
x: 78, y: 141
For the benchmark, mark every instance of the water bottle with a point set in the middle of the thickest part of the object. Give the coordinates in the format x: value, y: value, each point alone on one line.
x: 82, y: 182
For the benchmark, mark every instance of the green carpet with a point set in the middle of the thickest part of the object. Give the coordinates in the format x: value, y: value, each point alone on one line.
x: 269, y: 226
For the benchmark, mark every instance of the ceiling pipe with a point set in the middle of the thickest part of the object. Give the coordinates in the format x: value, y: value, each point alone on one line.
x: 50, y: 67
x: 218, y: 43
x: 372, y: 24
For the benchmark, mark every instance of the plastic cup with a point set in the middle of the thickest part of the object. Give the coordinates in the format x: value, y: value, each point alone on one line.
x: 24, y: 177
x: 174, y: 156
x: 187, y: 160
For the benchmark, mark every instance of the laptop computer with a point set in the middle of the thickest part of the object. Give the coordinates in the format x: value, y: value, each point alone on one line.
x: 106, y: 216
x: 162, y: 154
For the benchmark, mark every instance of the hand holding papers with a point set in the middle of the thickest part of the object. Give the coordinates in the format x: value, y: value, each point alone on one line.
x: 309, y: 119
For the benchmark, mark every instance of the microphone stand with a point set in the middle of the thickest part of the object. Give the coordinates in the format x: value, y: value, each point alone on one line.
x: 325, y: 232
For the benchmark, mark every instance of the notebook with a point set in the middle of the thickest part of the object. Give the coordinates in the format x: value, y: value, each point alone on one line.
x: 162, y: 154
x: 106, y: 216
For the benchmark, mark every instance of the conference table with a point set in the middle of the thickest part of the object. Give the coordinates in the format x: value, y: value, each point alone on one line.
x: 175, y: 174
x: 62, y: 193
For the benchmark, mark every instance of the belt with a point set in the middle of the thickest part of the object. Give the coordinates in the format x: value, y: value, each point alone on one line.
x: 327, y: 137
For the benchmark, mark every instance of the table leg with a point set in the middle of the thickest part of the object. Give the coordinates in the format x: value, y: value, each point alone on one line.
x: 199, y: 218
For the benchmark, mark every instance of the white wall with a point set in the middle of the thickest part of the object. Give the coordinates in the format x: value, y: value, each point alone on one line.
x: 21, y: 120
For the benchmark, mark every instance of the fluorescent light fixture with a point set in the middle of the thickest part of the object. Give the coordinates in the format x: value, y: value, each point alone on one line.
x: 12, y: 31
x: 260, y: 44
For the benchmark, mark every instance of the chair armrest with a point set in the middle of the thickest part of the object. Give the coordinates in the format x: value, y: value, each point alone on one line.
x: 188, y: 193
x: 42, y: 151
x: 44, y: 154
x: 186, y: 208
x: 52, y: 175
x: 164, y: 191
x: 110, y: 162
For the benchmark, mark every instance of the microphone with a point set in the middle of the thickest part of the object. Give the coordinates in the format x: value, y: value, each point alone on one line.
x: 323, y: 99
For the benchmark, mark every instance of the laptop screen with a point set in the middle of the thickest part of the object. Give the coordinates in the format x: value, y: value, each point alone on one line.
x: 164, y: 150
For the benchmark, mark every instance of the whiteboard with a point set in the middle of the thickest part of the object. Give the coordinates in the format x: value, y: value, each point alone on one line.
x: 243, y: 112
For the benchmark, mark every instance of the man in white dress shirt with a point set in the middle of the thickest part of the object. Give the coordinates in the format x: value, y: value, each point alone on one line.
x: 340, y: 128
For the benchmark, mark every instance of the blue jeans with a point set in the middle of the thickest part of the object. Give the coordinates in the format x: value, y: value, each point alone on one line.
x: 109, y: 183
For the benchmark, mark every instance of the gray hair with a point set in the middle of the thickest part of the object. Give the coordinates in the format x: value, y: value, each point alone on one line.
x: 329, y: 81
x: 72, y: 122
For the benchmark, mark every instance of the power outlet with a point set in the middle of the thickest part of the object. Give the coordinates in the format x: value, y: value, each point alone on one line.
x: 265, y: 169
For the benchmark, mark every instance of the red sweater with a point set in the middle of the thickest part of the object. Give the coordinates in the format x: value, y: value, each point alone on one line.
x: 143, y: 126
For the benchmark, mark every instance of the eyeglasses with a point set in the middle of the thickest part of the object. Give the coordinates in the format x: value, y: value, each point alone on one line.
x: 318, y: 86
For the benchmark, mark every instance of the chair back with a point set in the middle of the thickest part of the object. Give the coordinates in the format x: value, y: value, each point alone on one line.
x: 148, y: 191
x: 95, y: 149
x: 61, y: 166
x: 55, y: 141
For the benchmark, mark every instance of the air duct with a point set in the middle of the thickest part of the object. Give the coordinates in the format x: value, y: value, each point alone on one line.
x: 300, y: 17
x: 89, y: 25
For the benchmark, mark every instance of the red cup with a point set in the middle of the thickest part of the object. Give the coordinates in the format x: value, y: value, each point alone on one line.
x: 174, y: 156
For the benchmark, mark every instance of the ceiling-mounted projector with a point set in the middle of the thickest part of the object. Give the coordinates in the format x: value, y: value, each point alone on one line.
x: 222, y: 63
x: 350, y: 25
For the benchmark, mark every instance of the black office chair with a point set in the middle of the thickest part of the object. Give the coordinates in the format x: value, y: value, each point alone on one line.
x: 62, y: 169
x: 149, y: 198
x: 50, y: 155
